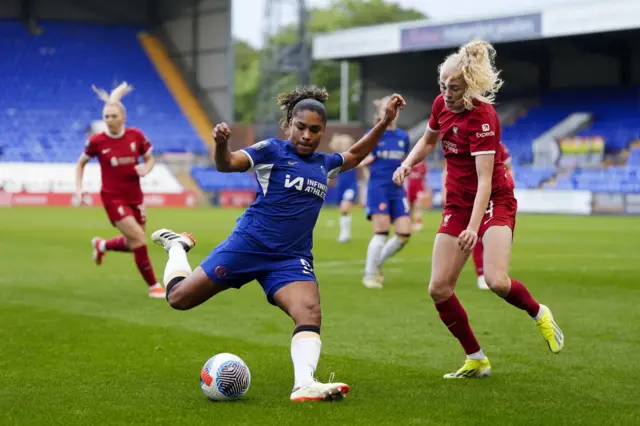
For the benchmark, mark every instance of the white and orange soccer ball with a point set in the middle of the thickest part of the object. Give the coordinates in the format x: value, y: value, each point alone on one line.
x: 225, y: 377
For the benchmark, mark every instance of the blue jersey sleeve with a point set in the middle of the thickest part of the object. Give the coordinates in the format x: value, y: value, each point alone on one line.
x: 263, y: 152
x: 334, y: 163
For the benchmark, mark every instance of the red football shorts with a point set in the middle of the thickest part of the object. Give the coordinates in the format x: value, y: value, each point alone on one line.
x: 119, y: 209
x: 413, y: 189
x: 500, y: 212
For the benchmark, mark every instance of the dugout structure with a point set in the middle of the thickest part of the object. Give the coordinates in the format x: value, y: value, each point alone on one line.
x: 581, y: 45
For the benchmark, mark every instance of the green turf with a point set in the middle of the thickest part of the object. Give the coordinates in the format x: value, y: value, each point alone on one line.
x: 85, y: 345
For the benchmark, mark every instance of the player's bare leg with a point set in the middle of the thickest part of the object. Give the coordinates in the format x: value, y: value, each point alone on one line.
x: 447, y: 263
x: 402, y: 231
x: 497, y: 254
x: 345, y: 221
x: 301, y: 301
x: 416, y: 212
x: 185, y: 289
x: 136, y: 240
x: 478, y: 261
x: 381, y: 224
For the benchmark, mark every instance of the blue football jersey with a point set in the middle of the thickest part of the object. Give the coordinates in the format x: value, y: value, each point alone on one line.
x: 291, y: 193
x: 390, y: 151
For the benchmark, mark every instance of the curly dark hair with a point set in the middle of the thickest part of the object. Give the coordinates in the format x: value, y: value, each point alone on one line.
x: 291, y: 102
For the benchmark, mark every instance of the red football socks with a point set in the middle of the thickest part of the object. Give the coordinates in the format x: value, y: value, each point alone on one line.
x: 117, y: 244
x: 520, y: 297
x: 455, y: 318
x: 144, y: 265
x: 478, y: 252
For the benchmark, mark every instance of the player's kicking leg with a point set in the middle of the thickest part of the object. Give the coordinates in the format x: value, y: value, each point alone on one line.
x: 497, y: 254
x: 185, y: 288
x: 301, y: 301
x: 448, y: 261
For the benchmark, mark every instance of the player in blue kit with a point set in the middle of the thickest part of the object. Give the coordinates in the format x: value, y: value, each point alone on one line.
x: 272, y: 240
x: 386, y: 202
x: 347, y: 187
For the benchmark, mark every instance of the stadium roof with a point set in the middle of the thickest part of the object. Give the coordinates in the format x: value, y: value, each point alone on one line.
x: 553, y: 21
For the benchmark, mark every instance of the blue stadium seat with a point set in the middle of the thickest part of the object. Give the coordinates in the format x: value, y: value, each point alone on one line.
x: 209, y: 179
x: 47, y: 103
x: 616, y: 118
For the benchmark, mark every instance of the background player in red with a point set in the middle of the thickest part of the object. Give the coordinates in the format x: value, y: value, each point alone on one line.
x: 480, y: 200
x: 418, y: 194
x: 118, y: 149
x: 478, y: 251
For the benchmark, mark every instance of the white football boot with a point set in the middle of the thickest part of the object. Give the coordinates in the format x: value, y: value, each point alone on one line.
x: 166, y: 238
x: 371, y: 282
x: 317, y: 391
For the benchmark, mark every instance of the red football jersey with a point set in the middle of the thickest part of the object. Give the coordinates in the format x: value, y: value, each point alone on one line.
x: 465, y: 135
x: 418, y: 172
x: 118, y: 156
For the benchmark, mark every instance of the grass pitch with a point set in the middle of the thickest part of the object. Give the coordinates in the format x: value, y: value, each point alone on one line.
x: 81, y: 344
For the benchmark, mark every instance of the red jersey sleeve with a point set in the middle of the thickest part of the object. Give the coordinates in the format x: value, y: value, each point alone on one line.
x: 91, y: 147
x: 482, y: 135
x: 436, y: 108
x: 144, y: 146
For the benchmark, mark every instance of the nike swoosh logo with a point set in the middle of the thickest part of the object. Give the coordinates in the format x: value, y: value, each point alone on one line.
x: 487, y: 221
x: 291, y: 163
x: 105, y: 151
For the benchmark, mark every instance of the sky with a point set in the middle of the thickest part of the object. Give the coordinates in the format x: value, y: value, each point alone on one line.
x: 248, y: 14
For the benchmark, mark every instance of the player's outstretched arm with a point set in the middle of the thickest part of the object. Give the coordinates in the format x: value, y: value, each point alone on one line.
x: 361, y: 149
x: 420, y: 151
x: 227, y: 161
x: 82, y: 162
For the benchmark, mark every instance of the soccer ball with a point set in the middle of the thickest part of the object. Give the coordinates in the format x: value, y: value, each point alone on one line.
x: 225, y: 377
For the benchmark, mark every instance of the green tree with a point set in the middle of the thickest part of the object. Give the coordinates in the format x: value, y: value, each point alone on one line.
x: 340, y: 14
x: 247, y: 74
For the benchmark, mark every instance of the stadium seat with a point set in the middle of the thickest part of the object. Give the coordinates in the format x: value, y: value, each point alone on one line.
x: 616, y: 118
x: 209, y: 179
x: 47, y: 102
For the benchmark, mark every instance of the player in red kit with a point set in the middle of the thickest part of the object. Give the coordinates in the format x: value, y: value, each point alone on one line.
x: 478, y: 251
x: 118, y: 149
x: 418, y: 194
x: 480, y: 203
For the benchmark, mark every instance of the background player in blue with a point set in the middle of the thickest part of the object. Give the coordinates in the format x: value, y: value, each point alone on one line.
x: 386, y: 202
x: 347, y: 187
x: 273, y: 238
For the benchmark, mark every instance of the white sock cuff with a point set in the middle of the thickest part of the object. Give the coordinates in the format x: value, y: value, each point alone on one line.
x: 379, y: 238
x: 177, y: 265
x: 540, y: 313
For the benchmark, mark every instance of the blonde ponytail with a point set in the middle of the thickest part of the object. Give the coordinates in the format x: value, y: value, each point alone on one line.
x: 475, y: 63
x: 113, y: 98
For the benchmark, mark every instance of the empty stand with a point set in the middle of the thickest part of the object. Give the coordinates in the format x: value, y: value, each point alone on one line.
x: 47, y: 103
